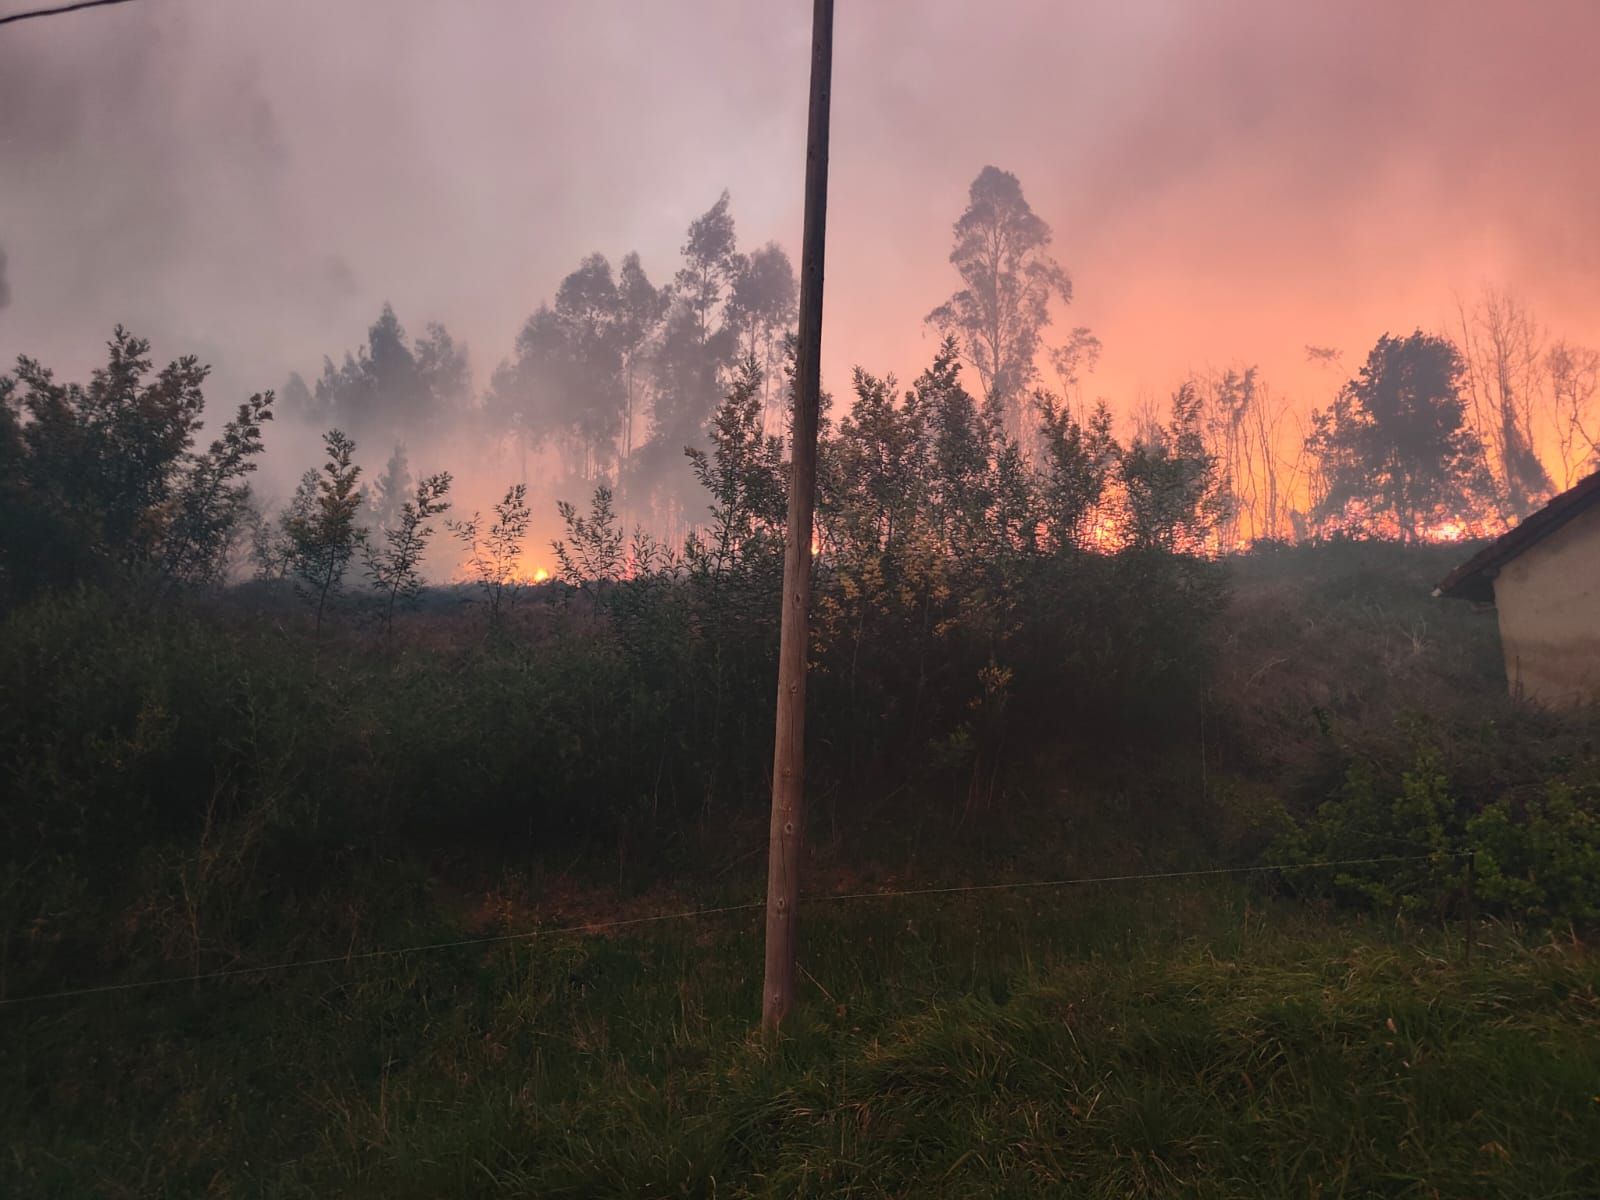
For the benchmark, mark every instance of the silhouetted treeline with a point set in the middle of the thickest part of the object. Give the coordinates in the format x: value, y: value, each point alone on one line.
x: 617, y: 375
x: 618, y: 379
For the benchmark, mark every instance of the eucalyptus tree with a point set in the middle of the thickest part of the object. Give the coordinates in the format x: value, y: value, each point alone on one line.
x: 1009, y: 279
x: 565, y: 384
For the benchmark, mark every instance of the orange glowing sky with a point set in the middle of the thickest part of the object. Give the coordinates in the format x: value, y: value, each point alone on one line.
x: 1228, y: 181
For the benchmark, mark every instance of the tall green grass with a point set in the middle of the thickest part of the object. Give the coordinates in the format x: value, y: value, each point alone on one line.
x: 194, y: 789
x: 1168, y: 1039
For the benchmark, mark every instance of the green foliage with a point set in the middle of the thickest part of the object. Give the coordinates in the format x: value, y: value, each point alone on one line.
x: 324, y: 536
x: 494, y: 554
x: 132, y: 733
x: 1540, y: 859
x: 272, y: 546
x: 1174, y: 490
x: 102, y: 481
x: 212, y: 500
x: 1537, y: 857
x: 948, y: 564
x: 1395, y: 451
x: 394, y: 566
x: 1168, y: 1045
x: 1079, y: 461
x: 192, y: 794
x: 592, y: 552
x: 745, y: 478
x: 1366, y: 819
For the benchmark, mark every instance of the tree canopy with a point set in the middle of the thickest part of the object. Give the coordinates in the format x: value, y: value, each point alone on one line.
x: 1009, y: 278
x: 104, y: 479
x: 1395, y: 450
x: 390, y: 388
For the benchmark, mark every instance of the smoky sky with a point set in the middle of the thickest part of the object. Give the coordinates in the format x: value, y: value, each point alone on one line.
x: 1227, y: 181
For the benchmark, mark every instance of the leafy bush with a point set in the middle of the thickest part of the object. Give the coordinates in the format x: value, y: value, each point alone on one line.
x: 102, y: 480
x: 1536, y: 858
x: 393, y: 560
x: 493, y: 554
x: 1415, y: 822
x: 324, y: 537
x: 1541, y: 858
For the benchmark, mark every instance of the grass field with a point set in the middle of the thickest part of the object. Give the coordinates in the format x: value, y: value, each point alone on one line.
x: 203, y: 793
x: 1163, y: 1039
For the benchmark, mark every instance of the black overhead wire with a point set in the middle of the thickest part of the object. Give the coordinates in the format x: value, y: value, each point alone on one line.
x: 52, y: 12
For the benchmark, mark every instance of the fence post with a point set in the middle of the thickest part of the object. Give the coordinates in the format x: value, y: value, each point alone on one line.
x: 1472, y: 903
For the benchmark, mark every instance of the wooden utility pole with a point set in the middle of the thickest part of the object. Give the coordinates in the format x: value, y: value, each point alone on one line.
x: 789, y: 751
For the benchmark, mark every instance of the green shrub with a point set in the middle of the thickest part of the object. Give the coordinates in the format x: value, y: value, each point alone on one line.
x: 1536, y: 859
x: 1541, y: 859
x: 1412, y: 828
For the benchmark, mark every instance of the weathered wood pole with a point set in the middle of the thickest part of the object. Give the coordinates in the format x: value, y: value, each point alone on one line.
x: 789, y: 750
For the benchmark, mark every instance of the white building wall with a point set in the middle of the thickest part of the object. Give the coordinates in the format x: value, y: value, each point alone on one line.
x: 1548, y: 599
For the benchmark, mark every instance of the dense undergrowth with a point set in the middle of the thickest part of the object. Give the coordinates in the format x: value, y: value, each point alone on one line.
x: 200, y: 764
x: 182, y: 775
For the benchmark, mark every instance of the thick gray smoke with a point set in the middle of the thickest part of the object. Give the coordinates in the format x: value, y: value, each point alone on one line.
x: 1227, y: 181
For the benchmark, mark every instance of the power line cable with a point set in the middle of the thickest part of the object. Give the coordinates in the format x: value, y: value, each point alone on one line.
x: 53, y: 12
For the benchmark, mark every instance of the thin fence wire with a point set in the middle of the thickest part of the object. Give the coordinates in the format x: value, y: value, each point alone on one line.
x: 395, y: 952
x: 1050, y: 883
x: 587, y: 927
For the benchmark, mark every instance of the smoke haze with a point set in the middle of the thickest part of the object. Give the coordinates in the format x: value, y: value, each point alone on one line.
x: 1227, y: 182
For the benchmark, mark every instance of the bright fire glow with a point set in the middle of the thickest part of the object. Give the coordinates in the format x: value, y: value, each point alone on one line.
x: 521, y: 573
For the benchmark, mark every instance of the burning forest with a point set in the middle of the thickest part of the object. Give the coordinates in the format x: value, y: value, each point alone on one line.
x: 1141, y: 628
